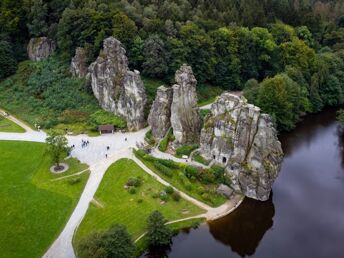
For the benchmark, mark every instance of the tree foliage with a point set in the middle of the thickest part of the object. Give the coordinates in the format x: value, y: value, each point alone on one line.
x: 57, y: 146
x: 158, y: 234
x: 115, y: 242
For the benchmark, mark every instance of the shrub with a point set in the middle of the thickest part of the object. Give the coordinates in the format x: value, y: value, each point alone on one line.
x: 198, y: 158
x: 73, y: 116
x: 185, y: 150
x: 116, y: 242
x: 149, y: 138
x: 191, y: 171
x: 188, y: 187
x: 176, y: 196
x: 169, y: 163
x: 169, y: 190
x: 155, y: 195
x: 169, y: 137
x: 201, y: 190
x: 163, y: 196
x: 163, y: 144
x: 102, y: 117
x: 134, y: 181
x: 132, y: 190
x: 206, y: 197
x: 162, y: 168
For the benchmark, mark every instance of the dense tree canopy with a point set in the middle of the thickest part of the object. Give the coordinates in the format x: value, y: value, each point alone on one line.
x: 296, y: 44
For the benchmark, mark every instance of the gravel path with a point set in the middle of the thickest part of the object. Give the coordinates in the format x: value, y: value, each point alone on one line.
x: 17, y: 121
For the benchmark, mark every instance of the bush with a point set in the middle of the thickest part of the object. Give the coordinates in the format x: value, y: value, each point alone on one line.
x: 198, y: 158
x: 169, y: 163
x: 163, y: 144
x: 206, y: 197
x: 116, y: 242
x: 139, y: 201
x: 155, y: 195
x: 176, y: 196
x: 132, y: 190
x: 163, y: 196
x: 149, y: 138
x: 163, y: 169
x: 169, y: 137
x: 201, y: 190
x: 102, y: 117
x: 191, y: 171
x: 134, y: 181
x: 169, y: 190
x: 185, y: 150
x: 188, y: 187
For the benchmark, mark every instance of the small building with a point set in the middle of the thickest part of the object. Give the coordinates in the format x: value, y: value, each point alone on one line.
x: 103, y: 129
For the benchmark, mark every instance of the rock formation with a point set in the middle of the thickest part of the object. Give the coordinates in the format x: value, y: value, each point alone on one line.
x: 185, y: 117
x: 78, y: 66
x: 243, y: 140
x: 118, y: 89
x: 40, y: 48
x: 160, y: 115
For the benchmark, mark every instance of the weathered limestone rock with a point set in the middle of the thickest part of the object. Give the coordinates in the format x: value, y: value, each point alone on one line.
x: 40, y: 48
x: 118, y: 89
x: 243, y: 140
x: 225, y: 190
x: 160, y: 114
x: 185, y: 117
x: 78, y: 66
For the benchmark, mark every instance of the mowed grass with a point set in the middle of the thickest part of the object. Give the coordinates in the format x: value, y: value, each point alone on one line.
x: 8, y: 126
x: 117, y: 206
x: 33, y: 208
x: 213, y: 200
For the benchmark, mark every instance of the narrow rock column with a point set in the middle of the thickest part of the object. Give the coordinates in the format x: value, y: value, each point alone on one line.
x: 160, y: 113
x: 185, y: 116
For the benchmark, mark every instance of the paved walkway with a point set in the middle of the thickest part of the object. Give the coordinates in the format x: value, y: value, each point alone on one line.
x: 101, y: 152
x: 17, y: 121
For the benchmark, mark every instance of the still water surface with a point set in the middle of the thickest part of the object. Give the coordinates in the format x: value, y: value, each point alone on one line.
x: 304, y: 216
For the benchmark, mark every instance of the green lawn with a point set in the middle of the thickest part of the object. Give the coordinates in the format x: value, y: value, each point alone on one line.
x: 33, y: 209
x: 193, y: 188
x: 8, y: 126
x: 116, y: 205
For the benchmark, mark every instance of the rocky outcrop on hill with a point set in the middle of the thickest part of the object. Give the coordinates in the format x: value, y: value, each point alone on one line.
x: 78, y: 66
x: 237, y: 136
x: 185, y: 116
x: 118, y: 89
x: 40, y: 48
x: 160, y: 115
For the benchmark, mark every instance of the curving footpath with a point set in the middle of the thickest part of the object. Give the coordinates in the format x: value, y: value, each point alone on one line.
x: 99, y: 159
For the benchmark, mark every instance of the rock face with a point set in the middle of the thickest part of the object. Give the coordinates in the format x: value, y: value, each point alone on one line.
x: 40, y: 48
x: 185, y: 117
x: 237, y: 136
x: 118, y: 89
x: 78, y: 66
x: 160, y: 114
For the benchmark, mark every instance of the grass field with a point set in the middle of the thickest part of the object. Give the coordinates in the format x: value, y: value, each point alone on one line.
x: 116, y: 205
x: 33, y: 209
x: 8, y: 126
x: 191, y: 188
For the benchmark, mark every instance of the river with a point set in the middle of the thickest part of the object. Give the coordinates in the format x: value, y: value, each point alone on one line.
x: 304, y: 216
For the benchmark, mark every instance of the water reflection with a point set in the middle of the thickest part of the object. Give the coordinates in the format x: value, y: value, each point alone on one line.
x: 245, y: 227
x: 305, y: 217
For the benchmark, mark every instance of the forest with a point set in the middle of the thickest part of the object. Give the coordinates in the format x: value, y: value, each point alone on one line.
x: 286, y: 55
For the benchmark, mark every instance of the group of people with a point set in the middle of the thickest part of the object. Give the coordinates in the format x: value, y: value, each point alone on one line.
x: 84, y: 143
